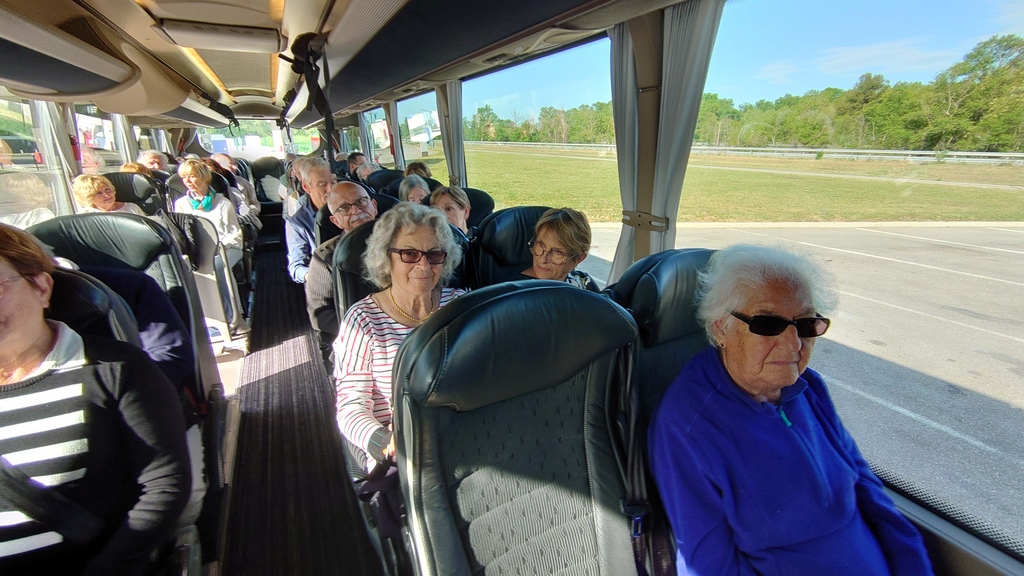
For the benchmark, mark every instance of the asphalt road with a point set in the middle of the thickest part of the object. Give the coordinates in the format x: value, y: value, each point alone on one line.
x: 925, y: 357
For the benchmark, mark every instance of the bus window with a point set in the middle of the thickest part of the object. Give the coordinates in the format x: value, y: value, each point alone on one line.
x: 257, y: 138
x: 32, y: 187
x: 378, y: 138
x: 421, y: 134
x: 96, y: 141
x: 563, y: 101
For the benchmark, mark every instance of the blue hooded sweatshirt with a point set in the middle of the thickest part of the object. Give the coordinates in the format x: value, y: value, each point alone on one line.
x: 752, y: 488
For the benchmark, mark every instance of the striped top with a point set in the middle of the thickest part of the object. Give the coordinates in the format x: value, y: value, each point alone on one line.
x: 101, y: 425
x: 364, y: 354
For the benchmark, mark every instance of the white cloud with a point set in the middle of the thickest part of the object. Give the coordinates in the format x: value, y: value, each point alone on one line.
x: 777, y: 72
x: 893, y: 57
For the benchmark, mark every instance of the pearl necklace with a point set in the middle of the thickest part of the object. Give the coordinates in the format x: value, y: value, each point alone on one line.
x: 406, y: 314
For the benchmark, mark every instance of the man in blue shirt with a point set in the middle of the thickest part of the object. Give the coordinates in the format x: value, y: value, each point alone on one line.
x: 317, y: 180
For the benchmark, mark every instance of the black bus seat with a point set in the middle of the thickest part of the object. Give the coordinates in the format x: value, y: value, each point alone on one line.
x: 380, y: 179
x: 508, y: 460
x: 88, y: 306
x: 500, y: 247
x: 138, y: 189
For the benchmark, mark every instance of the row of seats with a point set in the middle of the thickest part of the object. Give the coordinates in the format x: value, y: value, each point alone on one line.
x: 132, y: 243
x: 531, y: 460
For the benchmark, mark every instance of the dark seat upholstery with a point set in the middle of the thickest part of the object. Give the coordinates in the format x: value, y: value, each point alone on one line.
x: 137, y: 243
x: 660, y: 292
x: 138, y: 189
x: 481, y: 206
x: 505, y: 439
x: 89, y: 306
x: 392, y: 188
x: 324, y: 229
x: 380, y: 179
x: 500, y: 250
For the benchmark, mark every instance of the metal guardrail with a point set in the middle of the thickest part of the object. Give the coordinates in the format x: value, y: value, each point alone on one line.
x: 918, y: 156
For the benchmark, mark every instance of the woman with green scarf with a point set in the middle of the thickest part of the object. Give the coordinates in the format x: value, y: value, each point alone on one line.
x: 203, y: 201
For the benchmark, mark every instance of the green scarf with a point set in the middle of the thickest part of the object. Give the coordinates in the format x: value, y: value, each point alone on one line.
x: 206, y: 204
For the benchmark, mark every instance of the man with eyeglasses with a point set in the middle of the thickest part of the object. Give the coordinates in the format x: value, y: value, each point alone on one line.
x: 350, y: 206
x: 317, y: 180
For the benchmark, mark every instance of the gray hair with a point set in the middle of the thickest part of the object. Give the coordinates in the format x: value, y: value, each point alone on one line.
x: 309, y: 165
x: 735, y: 274
x: 150, y: 153
x: 406, y: 217
x: 410, y: 182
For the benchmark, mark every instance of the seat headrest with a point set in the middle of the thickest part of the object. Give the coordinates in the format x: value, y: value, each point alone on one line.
x: 506, y: 233
x: 88, y: 306
x: 105, y: 239
x: 661, y: 290
x: 137, y: 189
x: 497, y: 343
x: 267, y: 165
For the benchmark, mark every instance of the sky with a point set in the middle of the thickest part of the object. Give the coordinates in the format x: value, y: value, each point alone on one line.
x: 769, y: 48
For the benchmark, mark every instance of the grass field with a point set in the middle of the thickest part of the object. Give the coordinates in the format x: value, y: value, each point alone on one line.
x: 588, y: 180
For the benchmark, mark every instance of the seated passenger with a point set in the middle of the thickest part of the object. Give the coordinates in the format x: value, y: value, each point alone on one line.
x: 365, y: 169
x: 136, y: 168
x: 96, y: 194
x: 317, y: 180
x: 350, y: 206
x: 561, y: 240
x: 413, y: 189
x: 24, y: 200
x: 153, y: 159
x: 410, y: 256
x: 93, y: 427
x: 755, y: 469
x: 355, y: 160
x: 454, y: 202
x: 419, y: 169
x: 201, y: 200
x: 243, y: 185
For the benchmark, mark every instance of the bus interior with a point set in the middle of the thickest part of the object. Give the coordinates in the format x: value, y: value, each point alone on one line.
x: 86, y: 85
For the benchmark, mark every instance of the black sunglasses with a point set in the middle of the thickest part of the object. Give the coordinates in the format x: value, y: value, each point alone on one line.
x: 410, y: 256
x: 764, y: 325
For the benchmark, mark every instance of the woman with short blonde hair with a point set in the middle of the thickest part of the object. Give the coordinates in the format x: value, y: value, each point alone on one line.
x: 96, y: 194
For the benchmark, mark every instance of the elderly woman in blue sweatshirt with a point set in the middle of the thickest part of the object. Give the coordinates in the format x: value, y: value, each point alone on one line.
x: 756, y: 471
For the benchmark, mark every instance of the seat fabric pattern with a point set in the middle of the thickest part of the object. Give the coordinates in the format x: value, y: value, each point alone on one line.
x: 508, y: 460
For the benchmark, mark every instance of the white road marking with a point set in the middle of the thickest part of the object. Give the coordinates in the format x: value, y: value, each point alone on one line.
x: 940, y: 241
x: 913, y: 415
x: 932, y: 316
x: 1006, y: 230
x: 898, y: 261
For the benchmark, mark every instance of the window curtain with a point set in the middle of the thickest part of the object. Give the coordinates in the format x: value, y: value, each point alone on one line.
x: 391, y: 112
x: 449, y: 112
x: 365, y: 136
x: 125, y: 137
x: 626, y: 116
x: 689, y: 31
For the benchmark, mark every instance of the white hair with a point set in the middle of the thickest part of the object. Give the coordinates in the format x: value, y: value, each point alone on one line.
x: 736, y: 274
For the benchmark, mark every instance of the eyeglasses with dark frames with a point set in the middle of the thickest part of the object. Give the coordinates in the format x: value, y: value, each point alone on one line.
x: 767, y: 325
x: 555, y: 256
x: 410, y: 256
x: 359, y: 203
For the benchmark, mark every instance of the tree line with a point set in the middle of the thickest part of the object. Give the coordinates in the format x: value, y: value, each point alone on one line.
x: 976, y: 104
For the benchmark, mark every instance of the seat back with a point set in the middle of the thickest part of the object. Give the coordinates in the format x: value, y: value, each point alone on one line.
x: 500, y: 249
x: 89, y: 306
x: 324, y: 229
x: 138, y: 243
x: 392, y: 188
x: 138, y: 189
x: 265, y: 166
x: 481, y: 206
x: 660, y: 292
x: 505, y: 435
x: 218, y: 294
x: 380, y: 179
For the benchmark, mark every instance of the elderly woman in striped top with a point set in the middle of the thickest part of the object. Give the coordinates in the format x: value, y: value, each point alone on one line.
x: 410, y: 256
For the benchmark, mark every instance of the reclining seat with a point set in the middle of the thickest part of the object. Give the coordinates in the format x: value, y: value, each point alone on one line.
x: 500, y: 250
x: 380, y: 179
x: 134, y: 242
x: 88, y: 306
x: 138, y: 189
x: 660, y: 292
x: 505, y: 438
x: 481, y: 205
